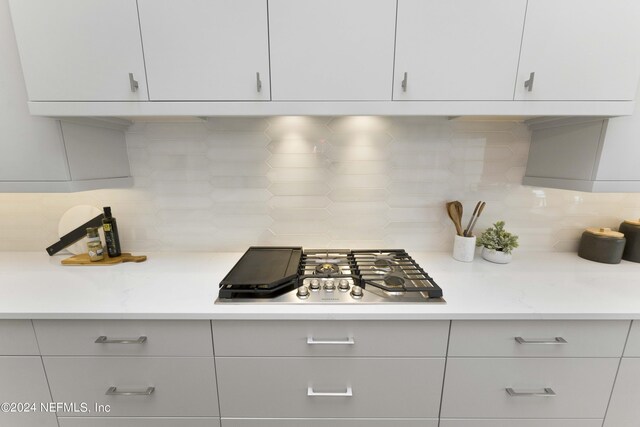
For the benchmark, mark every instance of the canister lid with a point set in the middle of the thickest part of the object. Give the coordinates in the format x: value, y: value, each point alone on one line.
x: 605, y: 232
x: 632, y: 222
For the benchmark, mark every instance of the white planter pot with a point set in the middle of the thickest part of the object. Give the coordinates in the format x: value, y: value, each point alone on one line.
x: 496, y: 256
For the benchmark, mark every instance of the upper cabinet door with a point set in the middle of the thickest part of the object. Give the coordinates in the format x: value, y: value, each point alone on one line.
x: 457, y: 49
x: 332, y: 50
x: 580, y: 50
x: 200, y: 50
x: 80, y: 50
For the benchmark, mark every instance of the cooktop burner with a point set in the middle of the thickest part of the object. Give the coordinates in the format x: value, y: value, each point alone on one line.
x: 290, y: 275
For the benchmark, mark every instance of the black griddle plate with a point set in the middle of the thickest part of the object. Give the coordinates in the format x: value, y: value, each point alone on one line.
x: 263, y: 272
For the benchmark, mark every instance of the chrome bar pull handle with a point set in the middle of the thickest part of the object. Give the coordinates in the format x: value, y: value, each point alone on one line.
x: 548, y: 392
x: 133, y: 83
x: 113, y: 391
x: 258, y: 82
x: 346, y: 341
x: 104, y: 340
x: 556, y: 340
x: 529, y: 83
x: 404, y: 82
x: 347, y: 393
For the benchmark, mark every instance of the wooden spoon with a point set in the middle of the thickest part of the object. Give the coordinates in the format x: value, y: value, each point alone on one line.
x: 455, y: 217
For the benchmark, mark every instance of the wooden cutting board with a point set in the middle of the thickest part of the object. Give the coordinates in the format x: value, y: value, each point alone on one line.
x: 83, y: 259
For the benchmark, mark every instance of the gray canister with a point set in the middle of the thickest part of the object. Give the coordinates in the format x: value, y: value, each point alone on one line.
x: 602, y: 245
x: 631, y: 231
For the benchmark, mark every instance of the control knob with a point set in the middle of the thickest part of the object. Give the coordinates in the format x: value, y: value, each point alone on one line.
x: 356, y: 292
x: 314, y: 285
x: 303, y: 292
x: 343, y: 285
x: 329, y: 285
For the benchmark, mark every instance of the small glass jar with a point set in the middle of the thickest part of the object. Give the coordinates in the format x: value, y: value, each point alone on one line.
x: 96, y: 251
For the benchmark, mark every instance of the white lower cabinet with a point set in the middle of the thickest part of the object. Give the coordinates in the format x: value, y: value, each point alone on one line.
x: 139, y: 422
x: 136, y: 386
x: 329, y: 422
x: 294, y: 387
x: 625, y: 401
x: 520, y: 423
x: 23, y: 381
x: 528, y: 388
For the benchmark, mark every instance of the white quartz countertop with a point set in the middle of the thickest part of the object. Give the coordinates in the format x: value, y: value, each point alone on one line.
x: 185, y: 285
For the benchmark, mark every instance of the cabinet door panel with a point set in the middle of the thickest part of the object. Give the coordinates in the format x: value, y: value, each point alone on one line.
x: 580, y: 50
x: 22, y: 380
x: 625, y: 400
x: 141, y: 422
x: 497, y: 338
x: 79, y: 50
x: 163, y: 337
x: 183, y: 386
x: 337, y: 50
x: 353, y: 338
x: 521, y: 423
x: 17, y: 338
x: 477, y: 388
x: 458, y: 50
x: 201, y: 50
x: 329, y: 422
x: 289, y: 387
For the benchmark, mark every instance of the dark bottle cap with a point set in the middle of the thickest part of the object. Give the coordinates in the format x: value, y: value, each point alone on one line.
x: 107, y: 212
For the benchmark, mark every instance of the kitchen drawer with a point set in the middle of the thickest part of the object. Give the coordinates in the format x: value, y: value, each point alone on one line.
x: 184, y: 386
x: 284, y: 387
x: 633, y: 342
x: 22, y: 380
x: 139, y: 422
x: 17, y: 338
x: 328, y: 422
x: 331, y: 338
x: 520, y: 423
x: 497, y: 338
x: 476, y: 388
x: 163, y: 337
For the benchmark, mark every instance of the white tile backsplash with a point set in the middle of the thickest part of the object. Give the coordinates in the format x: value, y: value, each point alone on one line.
x: 228, y: 183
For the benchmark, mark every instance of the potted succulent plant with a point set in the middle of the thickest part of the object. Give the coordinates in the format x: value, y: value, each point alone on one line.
x: 497, y: 244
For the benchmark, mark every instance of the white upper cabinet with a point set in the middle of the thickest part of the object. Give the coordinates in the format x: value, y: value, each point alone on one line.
x: 582, y: 50
x: 206, y: 49
x: 80, y: 50
x: 332, y: 50
x: 457, y: 50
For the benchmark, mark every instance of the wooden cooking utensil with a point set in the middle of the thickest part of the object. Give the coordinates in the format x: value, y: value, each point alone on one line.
x: 453, y: 212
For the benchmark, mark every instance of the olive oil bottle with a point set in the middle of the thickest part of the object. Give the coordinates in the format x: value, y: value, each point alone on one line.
x: 110, y: 227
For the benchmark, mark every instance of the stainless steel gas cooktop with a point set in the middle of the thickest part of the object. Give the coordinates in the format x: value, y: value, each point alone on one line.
x: 289, y: 275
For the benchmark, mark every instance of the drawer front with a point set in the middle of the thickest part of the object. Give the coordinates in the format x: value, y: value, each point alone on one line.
x: 520, y: 423
x: 476, y: 388
x: 538, y: 338
x: 327, y: 422
x: 183, y: 386
x: 331, y: 338
x: 124, y: 337
x: 633, y: 343
x: 293, y: 387
x: 22, y: 380
x: 17, y: 338
x: 139, y: 422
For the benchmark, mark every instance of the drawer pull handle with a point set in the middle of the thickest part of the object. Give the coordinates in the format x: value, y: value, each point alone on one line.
x: 346, y: 341
x: 104, y: 340
x: 556, y: 340
x: 113, y: 391
x: 347, y: 393
x: 548, y: 392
